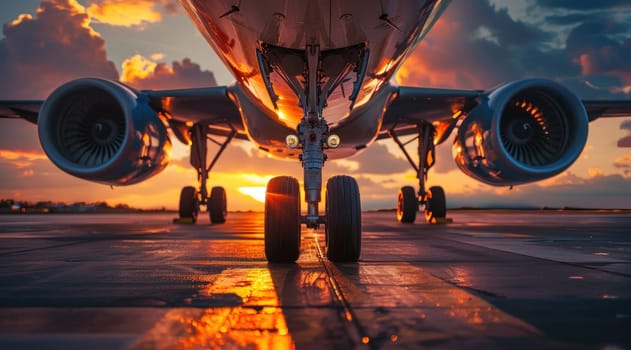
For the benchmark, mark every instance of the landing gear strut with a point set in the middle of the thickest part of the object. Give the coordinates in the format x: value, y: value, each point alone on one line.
x: 342, y: 217
x: 190, y: 197
x: 433, y: 199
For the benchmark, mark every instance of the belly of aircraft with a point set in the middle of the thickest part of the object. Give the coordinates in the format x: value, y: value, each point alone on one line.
x: 387, y: 29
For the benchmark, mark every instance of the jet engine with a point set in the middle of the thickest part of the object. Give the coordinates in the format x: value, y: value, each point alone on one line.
x: 522, y: 132
x: 103, y: 131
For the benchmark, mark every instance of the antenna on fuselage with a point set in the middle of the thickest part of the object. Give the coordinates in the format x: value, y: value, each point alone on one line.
x: 233, y: 9
x: 386, y: 18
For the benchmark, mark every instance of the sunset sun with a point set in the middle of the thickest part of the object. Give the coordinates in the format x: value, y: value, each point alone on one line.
x: 256, y: 192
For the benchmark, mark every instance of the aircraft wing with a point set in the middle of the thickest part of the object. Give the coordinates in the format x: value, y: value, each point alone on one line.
x: 411, y: 105
x: 606, y: 109
x: 23, y: 109
x: 211, y: 106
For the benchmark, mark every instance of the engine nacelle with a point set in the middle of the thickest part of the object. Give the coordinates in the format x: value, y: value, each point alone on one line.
x: 103, y: 131
x: 525, y: 131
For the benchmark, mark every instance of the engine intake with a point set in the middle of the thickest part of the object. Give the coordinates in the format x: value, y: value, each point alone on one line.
x: 103, y: 131
x: 525, y: 131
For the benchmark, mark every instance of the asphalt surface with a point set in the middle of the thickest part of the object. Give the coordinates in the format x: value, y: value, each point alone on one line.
x: 490, y: 280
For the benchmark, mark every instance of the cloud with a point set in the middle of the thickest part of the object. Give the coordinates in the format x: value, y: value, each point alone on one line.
x: 20, y: 159
x: 602, y: 56
x: 604, y: 191
x: 583, y: 5
x: 379, y: 161
x: 626, y: 140
x: 623, y: 163
x: 143, y: 73
x: 58, y: 44
x: 474, y: 45
x: 157, y: 56
x: 595, y: 172
x: 477, y: 46
x: 17, y: 155
x: 130, y: 13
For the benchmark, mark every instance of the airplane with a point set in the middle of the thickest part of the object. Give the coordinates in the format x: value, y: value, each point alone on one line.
x: 313, y: 83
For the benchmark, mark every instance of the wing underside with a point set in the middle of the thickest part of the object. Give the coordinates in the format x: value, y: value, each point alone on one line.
x: 409, y: 106
x: 182, y: 108
x: 412, y: 105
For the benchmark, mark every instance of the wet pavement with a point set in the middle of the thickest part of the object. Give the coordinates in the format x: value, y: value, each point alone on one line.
x: 490, y: 280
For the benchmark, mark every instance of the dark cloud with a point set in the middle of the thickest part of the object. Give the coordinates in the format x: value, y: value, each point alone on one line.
x: 374, y: 160
x: 38, y: 54
x: 476, y: 46
x: 236, y: 159
x: 566, y: 19
x: 584, y: 5
x: 623, y: 163
x: 19, y: 134
x: 377, y: 160
x: 144, y: 74
x: 171, y: 6
x: 625, y: 142
x: 599, y: 54
x: 607, y: 191
x: 375, y: 195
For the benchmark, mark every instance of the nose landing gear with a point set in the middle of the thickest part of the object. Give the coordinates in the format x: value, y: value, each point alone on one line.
x: 342, y: 217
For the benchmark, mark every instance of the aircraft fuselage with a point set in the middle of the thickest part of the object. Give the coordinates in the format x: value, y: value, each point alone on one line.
x: 386, y: 30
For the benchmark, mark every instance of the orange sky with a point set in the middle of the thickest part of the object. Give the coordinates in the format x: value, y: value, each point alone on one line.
x: 471, y: 48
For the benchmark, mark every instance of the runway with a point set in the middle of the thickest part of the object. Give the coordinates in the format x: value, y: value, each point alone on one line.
x: 490, y: 280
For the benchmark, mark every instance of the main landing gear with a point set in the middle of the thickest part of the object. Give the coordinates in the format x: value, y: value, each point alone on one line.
x: 433, y: 199
x: 190, y: 197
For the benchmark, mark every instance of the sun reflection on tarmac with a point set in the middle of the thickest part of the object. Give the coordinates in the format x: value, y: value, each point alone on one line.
x: 257, y: 323
x: 255, y: 305
x: 240, y: 328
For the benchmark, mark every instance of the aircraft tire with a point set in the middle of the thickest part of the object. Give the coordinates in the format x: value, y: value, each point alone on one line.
x: 217, y: 205
x: 436, y: 204
x: 188, y: 203
x: 343, y: 228
x: 282, y: 220
x: 407, y: 205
